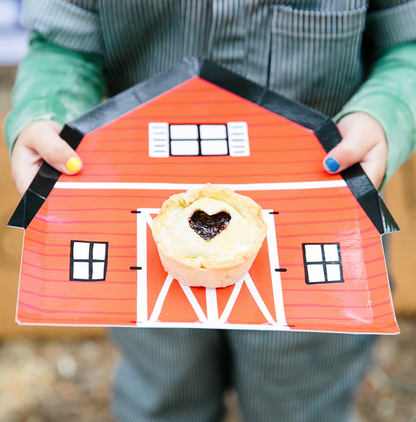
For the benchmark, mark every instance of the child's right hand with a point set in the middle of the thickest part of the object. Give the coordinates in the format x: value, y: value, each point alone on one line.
x: 40, y: 141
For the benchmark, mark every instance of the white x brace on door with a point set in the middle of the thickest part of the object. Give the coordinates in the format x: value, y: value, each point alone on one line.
x: 212, y: 318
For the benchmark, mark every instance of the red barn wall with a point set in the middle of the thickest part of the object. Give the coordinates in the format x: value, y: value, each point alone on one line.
x: 281, y: 151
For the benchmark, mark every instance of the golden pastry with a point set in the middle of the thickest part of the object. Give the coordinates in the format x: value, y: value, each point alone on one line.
x: 208, y: 236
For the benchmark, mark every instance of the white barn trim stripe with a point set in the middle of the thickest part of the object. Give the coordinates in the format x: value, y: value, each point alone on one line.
x: 274, y: 264
x: 322, y: 184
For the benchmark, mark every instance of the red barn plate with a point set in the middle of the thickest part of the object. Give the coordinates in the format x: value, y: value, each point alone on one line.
x: 89, y: 257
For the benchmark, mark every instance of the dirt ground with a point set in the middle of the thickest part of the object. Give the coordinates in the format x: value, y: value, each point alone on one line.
x: 67, y: 381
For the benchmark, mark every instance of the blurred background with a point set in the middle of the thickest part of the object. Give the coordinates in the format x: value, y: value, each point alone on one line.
x: 64, y: 374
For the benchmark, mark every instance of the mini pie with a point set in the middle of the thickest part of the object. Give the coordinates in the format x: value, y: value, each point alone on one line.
x: 208, y: 236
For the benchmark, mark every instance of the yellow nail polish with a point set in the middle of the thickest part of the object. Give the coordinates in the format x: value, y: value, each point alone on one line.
x: 73, y: 164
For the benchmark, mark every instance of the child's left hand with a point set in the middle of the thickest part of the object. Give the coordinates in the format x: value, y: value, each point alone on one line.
x: 364, y: 142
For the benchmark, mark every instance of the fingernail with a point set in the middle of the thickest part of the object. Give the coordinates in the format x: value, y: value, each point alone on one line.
x: 73, y: 164
x: 331, y: 164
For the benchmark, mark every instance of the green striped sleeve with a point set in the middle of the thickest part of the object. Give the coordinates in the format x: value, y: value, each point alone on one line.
x: 53, y: 83
x: 389, y: 95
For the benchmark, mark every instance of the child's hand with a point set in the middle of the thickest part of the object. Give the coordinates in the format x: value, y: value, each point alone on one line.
x: 40, y: 141
x: 364, y: 142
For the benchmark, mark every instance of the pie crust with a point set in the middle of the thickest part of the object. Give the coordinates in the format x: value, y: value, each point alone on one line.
x: 227, y: 256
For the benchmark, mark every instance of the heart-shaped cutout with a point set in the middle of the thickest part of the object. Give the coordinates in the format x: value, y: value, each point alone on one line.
x: 208, y: 226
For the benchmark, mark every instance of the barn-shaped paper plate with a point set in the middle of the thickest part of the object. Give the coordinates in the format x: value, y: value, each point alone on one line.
x: 89, y: 257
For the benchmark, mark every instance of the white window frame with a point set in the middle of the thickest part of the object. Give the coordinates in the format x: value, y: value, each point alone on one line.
x: 89, y: 259
x: 318, y: 259
x: 229, y: 139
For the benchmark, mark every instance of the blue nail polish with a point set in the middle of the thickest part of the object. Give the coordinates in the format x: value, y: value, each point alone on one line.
x: 332, y: 164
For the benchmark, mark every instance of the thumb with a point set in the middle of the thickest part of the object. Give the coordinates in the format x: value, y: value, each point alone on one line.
x: 55, y: 151
x: 349, y: 151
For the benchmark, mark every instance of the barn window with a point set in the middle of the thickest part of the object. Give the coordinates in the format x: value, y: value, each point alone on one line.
x: 198, y: 139
x: 88, y: 261
x: 322, y: 263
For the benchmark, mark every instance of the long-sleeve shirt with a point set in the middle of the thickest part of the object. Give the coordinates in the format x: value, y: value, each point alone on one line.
x: 335, y: 56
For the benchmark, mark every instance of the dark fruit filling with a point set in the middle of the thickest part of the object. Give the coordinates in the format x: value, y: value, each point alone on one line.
x: 208, y: 226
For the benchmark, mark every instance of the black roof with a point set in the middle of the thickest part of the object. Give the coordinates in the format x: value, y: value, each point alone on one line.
x: 323, y: 127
